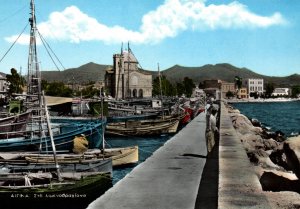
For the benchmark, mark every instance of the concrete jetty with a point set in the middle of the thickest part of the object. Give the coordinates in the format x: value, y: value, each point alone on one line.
x: 239, y: 186
x: 179, y: 175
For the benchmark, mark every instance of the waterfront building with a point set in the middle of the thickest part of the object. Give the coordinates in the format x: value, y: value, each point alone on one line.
x: 213, y: 88
x: 255, y: 86
x: 242, y: 93
x: 3, y: 85
x: 125, y: 79
x: 212, y: 84
x: 197, y: 92
x: 281, y: 92
x: 227, y: 87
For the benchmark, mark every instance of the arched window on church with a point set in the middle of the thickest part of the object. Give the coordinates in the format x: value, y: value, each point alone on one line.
x: 134, y: 93
x: 141, y: 93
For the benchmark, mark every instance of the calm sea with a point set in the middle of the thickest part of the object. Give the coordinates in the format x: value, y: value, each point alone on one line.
x: 283, y: 116
x: 147, y: 145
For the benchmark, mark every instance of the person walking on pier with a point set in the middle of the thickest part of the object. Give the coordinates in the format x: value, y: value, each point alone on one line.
x: 211, y: 129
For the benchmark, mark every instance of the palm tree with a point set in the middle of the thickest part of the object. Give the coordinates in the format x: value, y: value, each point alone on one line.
x: 238, y: 83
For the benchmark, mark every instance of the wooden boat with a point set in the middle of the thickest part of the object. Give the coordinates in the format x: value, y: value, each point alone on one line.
x: 25, y: 162
x: 45, y: 190
x: 143, y: 127
x: 92, y: 160
x: 33, y: 134
x: 30, y: 184
x: 63, y: 134
x: 121, y: 156
x: 14, y: 123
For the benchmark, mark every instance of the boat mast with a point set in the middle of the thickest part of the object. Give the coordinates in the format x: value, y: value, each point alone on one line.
x: 123, y: 71
x: 102, y: 121
x: 34, y: 75
x: 118, y: 66
x: 129, y: 51
x: 160, y: 88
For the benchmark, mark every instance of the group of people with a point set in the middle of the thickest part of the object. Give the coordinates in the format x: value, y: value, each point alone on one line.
x: 212, y: 130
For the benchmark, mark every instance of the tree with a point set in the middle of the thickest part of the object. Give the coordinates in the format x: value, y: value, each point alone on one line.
x: 156, y: 87
x: 295, y: 91
x: 89, y: 92
x: 56, y: 89
x: 269, y: 89
x: 254, y: 94
x: 229, y: 94
x: 166, y: 87
x: 180, y: 89
x: 238, y: 81
x: 188, y: 86
x: 201, y: 85
x: 16, y: 82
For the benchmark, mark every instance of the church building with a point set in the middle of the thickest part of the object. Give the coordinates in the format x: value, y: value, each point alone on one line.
x: 125, y: 80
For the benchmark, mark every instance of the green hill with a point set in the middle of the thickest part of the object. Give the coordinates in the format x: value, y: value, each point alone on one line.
x: 226, y: 72
x: 83, y: 74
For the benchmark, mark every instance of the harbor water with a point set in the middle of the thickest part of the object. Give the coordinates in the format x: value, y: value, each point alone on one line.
x: 147, y: 145
x: 283, y: 116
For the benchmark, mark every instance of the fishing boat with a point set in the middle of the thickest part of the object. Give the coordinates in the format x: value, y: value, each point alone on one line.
x: 34, y: 162
x: 121, y: 156
x: 64, y: 134
x: 14, y: 123
x: 49, y: 181
x: 32, y: 134
x: 143, y: 127
x: 46, y: 190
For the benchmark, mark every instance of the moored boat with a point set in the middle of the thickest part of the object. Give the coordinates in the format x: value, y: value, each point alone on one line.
x: 32, y: 162
x: 45, y: 190
x: 63, y: 134
x: 143, y: 127
x: 121, y: 156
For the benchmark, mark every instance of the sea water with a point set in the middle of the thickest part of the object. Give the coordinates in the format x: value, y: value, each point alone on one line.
x: 283, y: 116
x: 147, y: 145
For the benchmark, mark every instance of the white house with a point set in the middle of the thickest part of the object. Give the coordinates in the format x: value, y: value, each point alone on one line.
x: 255, y: 85
x: 198, y: 92
x: 3, y: 85
x: 281, y: 92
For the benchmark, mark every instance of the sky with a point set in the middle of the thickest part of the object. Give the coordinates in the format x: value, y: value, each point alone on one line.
x: 261, y: 35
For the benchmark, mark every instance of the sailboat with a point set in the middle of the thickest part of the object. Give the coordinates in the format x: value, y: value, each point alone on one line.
x: 53, y: 181
x: 62, y: 180
x: 31, y: 134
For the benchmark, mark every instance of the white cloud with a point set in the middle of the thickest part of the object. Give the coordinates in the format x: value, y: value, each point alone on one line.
x: 23, y: 39
x: 169, y: 19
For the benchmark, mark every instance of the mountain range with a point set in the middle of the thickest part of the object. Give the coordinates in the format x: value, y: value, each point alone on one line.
x: 92, y: 72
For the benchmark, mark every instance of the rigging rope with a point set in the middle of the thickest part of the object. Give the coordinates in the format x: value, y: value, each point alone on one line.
x: 16, y: 12
x: 14, y: 43
x: 47, y: 46
x: 130, y: 51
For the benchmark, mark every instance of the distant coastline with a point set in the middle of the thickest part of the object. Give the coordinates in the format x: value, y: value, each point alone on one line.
x: 262, y: 100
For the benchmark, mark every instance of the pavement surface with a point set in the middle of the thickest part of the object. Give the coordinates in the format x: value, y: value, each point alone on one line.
x: 239, y: 186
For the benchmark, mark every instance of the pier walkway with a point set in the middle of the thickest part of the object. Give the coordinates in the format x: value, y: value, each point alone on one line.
x: 179, y: 175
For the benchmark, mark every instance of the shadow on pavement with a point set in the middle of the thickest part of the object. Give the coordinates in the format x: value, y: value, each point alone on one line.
x: 208, y: 189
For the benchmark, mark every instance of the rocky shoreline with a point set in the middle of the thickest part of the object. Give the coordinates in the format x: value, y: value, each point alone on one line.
x: 276, y: 159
